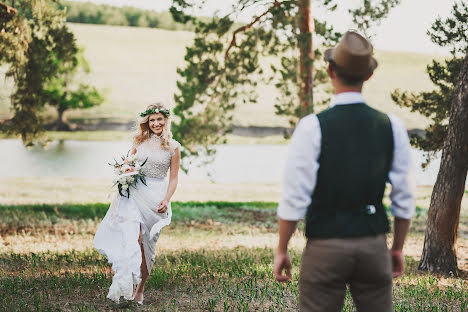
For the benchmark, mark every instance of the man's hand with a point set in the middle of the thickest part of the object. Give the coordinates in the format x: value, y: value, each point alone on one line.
x: 401, y: 227
x: 282, y: 262
x: 398, y: 262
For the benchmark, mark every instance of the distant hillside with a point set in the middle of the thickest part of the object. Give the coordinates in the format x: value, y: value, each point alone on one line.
x: 138, y: 66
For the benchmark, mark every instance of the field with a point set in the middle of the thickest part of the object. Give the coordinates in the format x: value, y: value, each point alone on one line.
x: 137, y: 66
x: 215, y: 256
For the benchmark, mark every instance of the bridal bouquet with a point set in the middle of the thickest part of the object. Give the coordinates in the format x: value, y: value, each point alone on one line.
x: 128, y: 171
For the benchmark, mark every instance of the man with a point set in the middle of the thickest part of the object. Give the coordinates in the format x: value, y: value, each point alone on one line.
x: 336, y: 172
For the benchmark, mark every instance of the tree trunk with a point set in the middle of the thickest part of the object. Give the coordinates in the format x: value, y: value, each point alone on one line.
x: 306, y: 26
x: 439, y: 253
x: 61, y: 124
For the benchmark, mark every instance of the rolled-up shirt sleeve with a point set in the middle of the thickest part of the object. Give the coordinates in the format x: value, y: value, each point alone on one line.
x: 401, y: 175
x: 300, y: 176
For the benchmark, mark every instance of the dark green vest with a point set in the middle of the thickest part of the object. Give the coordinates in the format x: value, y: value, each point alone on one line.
x: 355, y: 159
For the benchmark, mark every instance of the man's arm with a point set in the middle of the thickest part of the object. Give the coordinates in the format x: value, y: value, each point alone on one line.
x: 402, y: 194
x: 282, y: 261
x: 299, y: 184
x: 401, y: 227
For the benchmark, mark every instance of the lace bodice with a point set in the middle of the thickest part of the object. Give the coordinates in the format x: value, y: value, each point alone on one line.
x: 159, y: 159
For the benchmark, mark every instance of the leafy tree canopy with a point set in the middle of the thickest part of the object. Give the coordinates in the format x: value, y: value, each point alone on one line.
x: 38, y: 49
x: 63, y: 92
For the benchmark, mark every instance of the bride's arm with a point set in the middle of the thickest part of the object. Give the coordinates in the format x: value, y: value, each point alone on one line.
x: 173, y: 180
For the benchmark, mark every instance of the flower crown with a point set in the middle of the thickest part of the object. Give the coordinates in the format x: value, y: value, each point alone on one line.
x: 163, y: 111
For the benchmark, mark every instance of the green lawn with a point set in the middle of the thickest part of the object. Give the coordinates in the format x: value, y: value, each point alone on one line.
x: 215, y: 256
x: 137, y: 66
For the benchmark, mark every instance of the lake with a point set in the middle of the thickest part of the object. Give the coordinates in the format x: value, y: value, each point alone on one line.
x: 89, y: 159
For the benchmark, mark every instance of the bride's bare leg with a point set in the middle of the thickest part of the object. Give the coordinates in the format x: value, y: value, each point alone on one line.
x: 144, y: 272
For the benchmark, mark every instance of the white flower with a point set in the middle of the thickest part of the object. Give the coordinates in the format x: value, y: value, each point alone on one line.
x: 124, y: 167
x: 124, y: 186
x: 117, y: 171
x: 129, y: 179
x: 137, y: 166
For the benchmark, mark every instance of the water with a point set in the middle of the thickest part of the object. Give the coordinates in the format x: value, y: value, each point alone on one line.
x: 89, y: 159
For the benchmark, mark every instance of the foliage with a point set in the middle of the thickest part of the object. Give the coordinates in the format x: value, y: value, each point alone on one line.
x: 225, y: 64
x: 32, y: 41
x: 91, y: 13
x: 451, y: 32
x: 371, y: 13
x: 41, y: 53
x: 64, y: 93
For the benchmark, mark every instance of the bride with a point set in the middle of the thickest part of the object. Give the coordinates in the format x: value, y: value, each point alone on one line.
x: 128, y: 233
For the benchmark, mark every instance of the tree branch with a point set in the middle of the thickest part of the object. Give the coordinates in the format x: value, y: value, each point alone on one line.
x: 9, y: 10
x: 6, y: 14
x: 247, y: 27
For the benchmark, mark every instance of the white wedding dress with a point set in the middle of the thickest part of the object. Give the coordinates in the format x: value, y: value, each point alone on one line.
x: 117, y: 235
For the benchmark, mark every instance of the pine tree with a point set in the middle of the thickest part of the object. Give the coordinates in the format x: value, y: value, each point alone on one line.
x: 439, y: 254
x: 223, y: 66
x: 453, y: 33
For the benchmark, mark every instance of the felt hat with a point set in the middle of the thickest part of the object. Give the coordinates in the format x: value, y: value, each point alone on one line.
x: 352, y: 55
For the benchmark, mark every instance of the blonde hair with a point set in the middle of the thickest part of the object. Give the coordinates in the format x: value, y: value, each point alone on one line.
x: 143, y: 131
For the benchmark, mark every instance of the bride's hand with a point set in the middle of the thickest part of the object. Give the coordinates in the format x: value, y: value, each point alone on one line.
x: 162, y: 207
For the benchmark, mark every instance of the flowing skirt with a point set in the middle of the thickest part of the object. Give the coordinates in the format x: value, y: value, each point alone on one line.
x: 117, y: 235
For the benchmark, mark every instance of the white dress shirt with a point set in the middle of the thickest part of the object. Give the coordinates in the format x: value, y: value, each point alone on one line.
x: 302, y: 166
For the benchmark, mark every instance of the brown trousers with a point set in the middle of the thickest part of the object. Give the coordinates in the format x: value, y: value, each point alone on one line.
x: 328, y: 265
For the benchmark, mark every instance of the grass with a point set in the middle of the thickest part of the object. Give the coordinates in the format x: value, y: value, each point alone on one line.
x: 137, y: 66
x: 222, y: 280
x: 250, y: 213
x: 66, y: 190
x: 215, y: 256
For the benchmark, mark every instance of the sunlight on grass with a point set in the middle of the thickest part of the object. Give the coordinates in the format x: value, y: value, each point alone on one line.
x: 215, y: 256
x: 238, y: 279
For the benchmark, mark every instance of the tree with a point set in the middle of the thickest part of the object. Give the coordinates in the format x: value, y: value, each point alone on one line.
x: 439, y: 253
x: 436, y: 104
x: 37, y: 46
x: 223, y: 66
x: 62, y: 92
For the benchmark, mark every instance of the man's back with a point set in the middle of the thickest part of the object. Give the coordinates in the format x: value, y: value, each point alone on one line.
x: 355, y: 159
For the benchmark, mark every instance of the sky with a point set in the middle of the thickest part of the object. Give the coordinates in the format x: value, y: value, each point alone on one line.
x: 403, y: 30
